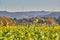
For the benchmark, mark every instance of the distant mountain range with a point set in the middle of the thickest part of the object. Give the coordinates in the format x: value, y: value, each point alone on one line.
x: 29, y: 14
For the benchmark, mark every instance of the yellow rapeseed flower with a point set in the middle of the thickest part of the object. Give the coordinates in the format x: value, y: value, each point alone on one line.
x: 5, y: 38
x: 36, y: 20
x: 0, y: 31
x: 31, y: 39
x: 29, y: 34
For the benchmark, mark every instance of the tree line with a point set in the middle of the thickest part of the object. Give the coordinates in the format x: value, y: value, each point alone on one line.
x: 40, y: 20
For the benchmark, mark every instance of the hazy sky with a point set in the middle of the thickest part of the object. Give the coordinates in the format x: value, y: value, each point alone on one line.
x: 29, y: 5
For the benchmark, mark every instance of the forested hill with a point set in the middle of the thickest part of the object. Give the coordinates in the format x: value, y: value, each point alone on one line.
x: 29, y: 14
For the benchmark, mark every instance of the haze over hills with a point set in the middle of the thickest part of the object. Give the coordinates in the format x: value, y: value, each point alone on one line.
x: 29, y: 14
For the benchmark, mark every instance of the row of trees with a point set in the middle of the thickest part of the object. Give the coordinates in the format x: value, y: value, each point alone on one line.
x: 41, y: 20
x: 48, y: 20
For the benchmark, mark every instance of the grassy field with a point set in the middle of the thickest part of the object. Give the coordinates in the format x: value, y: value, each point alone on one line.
x: 30, y: 31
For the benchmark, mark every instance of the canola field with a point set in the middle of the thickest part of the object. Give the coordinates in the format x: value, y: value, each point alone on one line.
x: 30, y: 31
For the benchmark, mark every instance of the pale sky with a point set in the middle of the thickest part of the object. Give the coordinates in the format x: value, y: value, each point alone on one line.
x: 29, y: 5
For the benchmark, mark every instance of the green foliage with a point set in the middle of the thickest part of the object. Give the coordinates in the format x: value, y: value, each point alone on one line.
x: 31, y: 31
